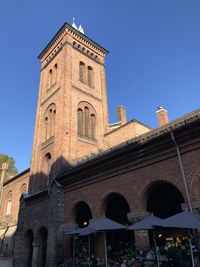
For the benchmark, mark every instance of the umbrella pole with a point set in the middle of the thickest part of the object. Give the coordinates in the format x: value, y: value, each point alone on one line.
x: 156, y: 251
x: 74, y: 244
x: 191, y: 251
x: 105, y: 247
x: 89, y: 249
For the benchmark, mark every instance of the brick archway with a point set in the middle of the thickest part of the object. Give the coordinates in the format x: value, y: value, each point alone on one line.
x: 81, y: 213
x: 116, y: 207
x: 163, y: 199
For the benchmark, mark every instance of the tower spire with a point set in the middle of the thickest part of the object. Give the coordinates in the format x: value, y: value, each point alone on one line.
x: 74, y: 24
x: 81, y: 29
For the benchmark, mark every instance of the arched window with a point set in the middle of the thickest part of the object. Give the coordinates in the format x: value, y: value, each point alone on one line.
x: 46, y: 167
x: 55, y: 73
x: 86, y: 118
x: 47, y: 163
x: 23, y: 189
x: 82, y: 71
x: 9, y: 204
x: 93, y: 124
x: 90, y: 76
x: 50, y: 78
x: 80, y: 122
x: 49, y: 121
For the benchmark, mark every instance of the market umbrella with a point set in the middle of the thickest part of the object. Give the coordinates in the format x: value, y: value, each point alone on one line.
x: 148, y: 224
x: 103, y: 224
x: 72, y: 230
x: 184, y: 219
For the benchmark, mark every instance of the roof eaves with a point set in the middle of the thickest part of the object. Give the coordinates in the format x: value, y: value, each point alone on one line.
x: 64, y: 26
x: 140, y: 140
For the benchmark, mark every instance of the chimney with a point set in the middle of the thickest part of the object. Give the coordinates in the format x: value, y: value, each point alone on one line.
x: 121, y: 115
x: 162, y: 116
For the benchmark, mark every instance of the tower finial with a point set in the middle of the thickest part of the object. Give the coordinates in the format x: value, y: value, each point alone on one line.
x: 74, y: 24
x: 81, y: 29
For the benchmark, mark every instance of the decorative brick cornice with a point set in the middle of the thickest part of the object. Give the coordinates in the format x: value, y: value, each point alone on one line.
x: 66, y: 28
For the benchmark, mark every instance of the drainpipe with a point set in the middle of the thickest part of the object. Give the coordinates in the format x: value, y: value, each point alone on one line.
x: 182, y: 172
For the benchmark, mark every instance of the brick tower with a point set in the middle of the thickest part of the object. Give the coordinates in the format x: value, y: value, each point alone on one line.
x: 72, y: 112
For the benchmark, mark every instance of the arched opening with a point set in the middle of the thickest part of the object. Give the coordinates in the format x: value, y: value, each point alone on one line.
x: 90, y: 77
x: 80, y: 122
x: 9, y: 204
x: 82, y: 216
x: 42, y: 236
x: 120, y: 242
x: 82, y: 72
x: 164, y: 200
x: 28, y: 247
x: 49, y: 121
x: 86, y: 113
x: 47, y: 163
x: 23, y: 189
x: 93, y: 125
x: 86, y: 121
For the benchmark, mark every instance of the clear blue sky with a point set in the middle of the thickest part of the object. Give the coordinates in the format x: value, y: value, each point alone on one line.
x: 154, y: 59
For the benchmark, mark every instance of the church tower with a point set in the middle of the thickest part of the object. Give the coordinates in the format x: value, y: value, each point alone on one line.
x: 72, y: 110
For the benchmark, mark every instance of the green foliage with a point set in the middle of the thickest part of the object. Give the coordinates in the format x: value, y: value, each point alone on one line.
x: 10, y: 160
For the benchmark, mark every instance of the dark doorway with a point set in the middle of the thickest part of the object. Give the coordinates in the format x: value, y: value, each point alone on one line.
x: 28, y: 247
x: 43, y: 246
x: 120, y: 242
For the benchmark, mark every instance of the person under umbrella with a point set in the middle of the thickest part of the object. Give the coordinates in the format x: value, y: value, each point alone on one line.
x: 148, y: 224
x: 186, y: 220
x: 103, y: 224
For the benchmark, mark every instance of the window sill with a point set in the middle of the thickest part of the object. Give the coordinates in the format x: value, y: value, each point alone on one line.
x: 87, y: 139
x: 47, y: 143
x: 87, y: 85
x: 51, y: 87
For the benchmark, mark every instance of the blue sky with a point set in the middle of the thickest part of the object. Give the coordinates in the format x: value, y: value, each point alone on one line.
x: 154, y: 59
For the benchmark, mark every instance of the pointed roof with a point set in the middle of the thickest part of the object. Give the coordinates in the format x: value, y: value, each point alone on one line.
x: 81, y: 29
x: 74, y: 24
x: 76, y: 31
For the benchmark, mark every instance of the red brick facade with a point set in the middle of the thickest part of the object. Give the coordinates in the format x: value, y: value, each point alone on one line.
x: 79, y: 161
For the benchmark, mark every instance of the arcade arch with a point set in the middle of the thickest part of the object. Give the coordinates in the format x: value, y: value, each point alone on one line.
x: 163, y: 199
x: 82, y: 214
x: 116, y: 208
